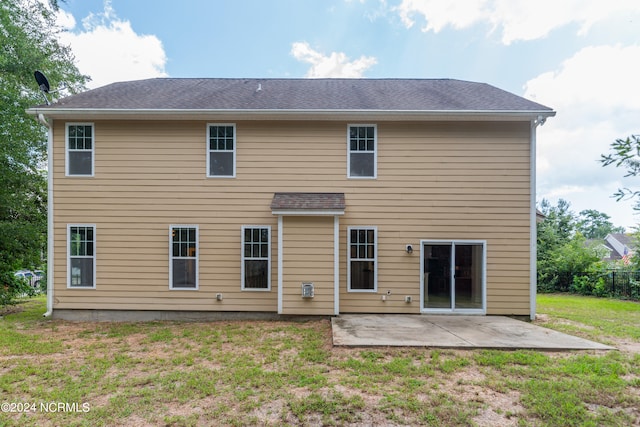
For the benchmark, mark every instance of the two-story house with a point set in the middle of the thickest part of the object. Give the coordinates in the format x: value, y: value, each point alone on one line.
x: 173, y: 198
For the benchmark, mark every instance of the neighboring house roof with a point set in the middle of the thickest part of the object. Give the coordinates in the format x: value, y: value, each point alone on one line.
x: 603, y: 248
x: 613, y: 254
x: 540, y: 216
x: 297, y: 95
x: 330, y: 203
x: 620, y: 244
x: 625, y: 239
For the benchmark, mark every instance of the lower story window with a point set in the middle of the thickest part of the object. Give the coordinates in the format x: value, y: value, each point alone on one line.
x: 256, y: 258
x: 183, y: 250
x: 362, y: 259
x: 81, y: 265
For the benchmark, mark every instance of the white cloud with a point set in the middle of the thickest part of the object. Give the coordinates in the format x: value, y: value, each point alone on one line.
x: 337, y: 64
x: 439, y: 14
x: 516, y: 19
x: 597, y: 80
x: 108, y: 49
x: 564, y: 191
x: 595, y: 94
x: 65, y: 20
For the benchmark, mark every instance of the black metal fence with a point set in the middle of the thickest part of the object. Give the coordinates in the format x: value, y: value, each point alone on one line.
x: 611, y: 283
x: 624, y: 284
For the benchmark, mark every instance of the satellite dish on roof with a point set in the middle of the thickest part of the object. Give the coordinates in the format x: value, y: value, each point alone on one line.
x: 45, y: 87
x: 42, y: 81
x: 43, y: 84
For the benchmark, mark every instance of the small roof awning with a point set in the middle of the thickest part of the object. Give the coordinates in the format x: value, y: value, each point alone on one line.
x: 318, y: 204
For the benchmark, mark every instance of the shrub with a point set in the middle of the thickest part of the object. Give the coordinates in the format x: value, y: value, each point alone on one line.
x: 12, y: 288
x: 582, y: 285
x: 600, y: 288
x: 634, y: 289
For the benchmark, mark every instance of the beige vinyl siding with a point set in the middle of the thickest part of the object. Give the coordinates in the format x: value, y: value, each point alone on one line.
x: 307, y: 257
x: 465, y: 181
x: 456, y: 180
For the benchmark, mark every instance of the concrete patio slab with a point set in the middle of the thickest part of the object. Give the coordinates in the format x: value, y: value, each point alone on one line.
x: 496, y: 332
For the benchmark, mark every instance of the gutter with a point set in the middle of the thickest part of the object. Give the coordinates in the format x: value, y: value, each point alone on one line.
x: 293, y: 114
x: 50, y: 262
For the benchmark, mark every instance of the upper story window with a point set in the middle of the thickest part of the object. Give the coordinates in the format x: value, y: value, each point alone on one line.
x: 362, y: 161
x: 221, y: 150
x: 79, y: 151
x: 183, y: 265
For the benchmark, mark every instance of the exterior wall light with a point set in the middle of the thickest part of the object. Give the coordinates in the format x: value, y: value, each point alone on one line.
x: 409, y: 249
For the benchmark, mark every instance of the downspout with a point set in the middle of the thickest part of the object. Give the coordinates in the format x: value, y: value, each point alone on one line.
x: 50, y: 263
x: 336, y: 265
x: 533, y: 236
x: 280, y: 263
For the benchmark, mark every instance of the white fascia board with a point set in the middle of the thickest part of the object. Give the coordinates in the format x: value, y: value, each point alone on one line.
x: 265, y: 114
x: 308, y: 212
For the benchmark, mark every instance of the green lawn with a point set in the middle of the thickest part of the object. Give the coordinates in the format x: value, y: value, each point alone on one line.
x: 591, y: 317
x: 287, y: 373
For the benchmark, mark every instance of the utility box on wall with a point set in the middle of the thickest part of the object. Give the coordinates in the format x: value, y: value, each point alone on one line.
x: 307, y: 290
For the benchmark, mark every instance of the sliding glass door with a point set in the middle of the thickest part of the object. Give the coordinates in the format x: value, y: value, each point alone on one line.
x: 453, y: 276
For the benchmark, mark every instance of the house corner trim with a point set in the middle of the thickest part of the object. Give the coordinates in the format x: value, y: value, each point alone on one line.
x: 280, y: 263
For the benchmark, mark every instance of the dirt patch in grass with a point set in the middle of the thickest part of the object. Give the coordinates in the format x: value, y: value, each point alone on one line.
x: 625, y: 345
x: 500, y: 409
x: 543, y: 319
x: 10, y: 309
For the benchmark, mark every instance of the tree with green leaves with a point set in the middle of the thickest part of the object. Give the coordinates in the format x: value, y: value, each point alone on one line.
x: 28, y: 42
x: 558, y: 226
x: 593, y: 224
x: 625, y: 153
x: 563, y: 252
x: 553, y: 232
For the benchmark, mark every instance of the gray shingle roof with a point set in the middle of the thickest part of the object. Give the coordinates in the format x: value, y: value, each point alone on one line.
x: 300, y: 94
x: 308, y: 201
x: 623, y: 238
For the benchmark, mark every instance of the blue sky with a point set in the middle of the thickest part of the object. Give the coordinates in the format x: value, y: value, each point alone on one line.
x: 579, y: 57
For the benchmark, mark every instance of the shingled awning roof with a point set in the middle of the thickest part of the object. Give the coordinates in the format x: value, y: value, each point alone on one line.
x: 308, y: 204
x: 177, y: 96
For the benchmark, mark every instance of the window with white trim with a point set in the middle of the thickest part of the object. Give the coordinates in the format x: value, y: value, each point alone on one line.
x: 81, y: 249
x: 362, y: 161
x: 363, y: 253
x: 256, y: 258
x: 80, y: 148
x: 221, y: 150
x: 183, y: 267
